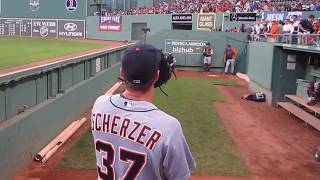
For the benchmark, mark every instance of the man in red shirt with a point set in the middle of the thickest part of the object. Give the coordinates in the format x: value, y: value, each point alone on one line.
x: 230, y: 56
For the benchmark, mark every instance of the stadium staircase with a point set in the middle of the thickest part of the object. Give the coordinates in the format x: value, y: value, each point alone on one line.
x: 298, y: 107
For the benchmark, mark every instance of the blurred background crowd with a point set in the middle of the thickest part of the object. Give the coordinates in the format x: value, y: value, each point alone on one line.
x: 287, y: 30
x: 294, y: 30
x: 216, y: 6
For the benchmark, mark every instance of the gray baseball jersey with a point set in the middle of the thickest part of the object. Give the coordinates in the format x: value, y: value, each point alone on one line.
x: 135, y: 140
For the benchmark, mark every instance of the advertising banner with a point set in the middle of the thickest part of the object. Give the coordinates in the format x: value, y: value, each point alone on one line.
x: 64, y: 28
x: 182, y: 17
x: 184, y: 46
x: 71, y: 28
x: 206, y: 21
x: 44, y: 28
x: 279, y: 16
x: 243, y: 16
x: 110, y: 23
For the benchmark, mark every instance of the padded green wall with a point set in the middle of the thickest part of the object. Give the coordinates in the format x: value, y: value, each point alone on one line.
x: 48, y: 9
x: 218, y: 40
x: 260, y: 63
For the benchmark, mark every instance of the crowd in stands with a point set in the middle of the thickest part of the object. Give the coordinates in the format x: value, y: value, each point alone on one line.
x: 294, y: 30
x: 284, y: 31
x: 216, y: 6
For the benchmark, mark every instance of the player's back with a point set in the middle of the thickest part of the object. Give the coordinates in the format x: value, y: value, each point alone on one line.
x: 135, y: 140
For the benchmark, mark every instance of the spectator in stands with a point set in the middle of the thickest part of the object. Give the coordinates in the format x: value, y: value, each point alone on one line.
x: 287, y: 27
x: 295, y: 21
x: 274, y: 30
x: 317, y: 27
x: 215, y: 6
x: 287, y: 30
x: 317, y: 6
x: 280, y: 31
x: 305, y: 25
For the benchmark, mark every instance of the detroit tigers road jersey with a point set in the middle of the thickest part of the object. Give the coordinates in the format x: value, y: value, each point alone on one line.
x: 135, y: 140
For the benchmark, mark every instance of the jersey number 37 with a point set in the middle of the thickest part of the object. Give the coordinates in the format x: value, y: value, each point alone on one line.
x: 138, y: 161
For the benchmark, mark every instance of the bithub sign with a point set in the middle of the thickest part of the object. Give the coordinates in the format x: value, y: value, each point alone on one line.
x: 184, y: 46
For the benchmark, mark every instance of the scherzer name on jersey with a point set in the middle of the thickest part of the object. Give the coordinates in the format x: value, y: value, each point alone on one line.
x: 118, y: 125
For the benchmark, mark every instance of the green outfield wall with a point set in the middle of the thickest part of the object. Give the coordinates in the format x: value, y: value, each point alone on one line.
x: 156, y: 23
x: 218, y: 40
x: 57, y: 95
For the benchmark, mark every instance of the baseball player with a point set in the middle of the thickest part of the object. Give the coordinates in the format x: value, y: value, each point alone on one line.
x: 133, y: 138
x: 207, y: 53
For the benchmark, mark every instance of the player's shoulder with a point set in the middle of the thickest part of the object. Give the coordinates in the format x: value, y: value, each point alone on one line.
x: 168, y: 120
x: 101, y: 100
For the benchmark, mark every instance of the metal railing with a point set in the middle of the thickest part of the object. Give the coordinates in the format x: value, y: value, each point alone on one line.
x: 287, y: 38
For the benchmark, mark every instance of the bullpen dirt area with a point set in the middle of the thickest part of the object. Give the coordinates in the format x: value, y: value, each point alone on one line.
x: 272, y: 143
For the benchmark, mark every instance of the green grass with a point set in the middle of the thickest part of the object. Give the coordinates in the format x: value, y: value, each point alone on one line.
x: 190, y: 100
x: 16, y: 51
x: 81, y: 155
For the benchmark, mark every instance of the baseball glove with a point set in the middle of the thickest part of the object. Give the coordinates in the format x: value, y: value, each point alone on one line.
x: 165, y: 71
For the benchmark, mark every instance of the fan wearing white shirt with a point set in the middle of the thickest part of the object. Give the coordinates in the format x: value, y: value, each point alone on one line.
x: 287, y: 29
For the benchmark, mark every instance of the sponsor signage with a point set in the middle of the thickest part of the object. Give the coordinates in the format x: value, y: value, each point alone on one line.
x: 42, y: 27
x: 243, y: 17
x: 34, y: 5
x: 70, y: 28
x: 206, y: 21
x: 110, y: 23
x: 182, y: 17
x: 279, y: 16
x: 184, y: 46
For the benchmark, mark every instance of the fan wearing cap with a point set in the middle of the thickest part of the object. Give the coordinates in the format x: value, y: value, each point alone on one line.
x: 133, y: 138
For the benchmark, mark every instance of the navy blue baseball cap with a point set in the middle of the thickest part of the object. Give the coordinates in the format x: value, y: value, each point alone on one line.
x: 140, y: 63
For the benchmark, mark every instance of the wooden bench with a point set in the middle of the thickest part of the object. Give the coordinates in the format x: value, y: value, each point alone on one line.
x: 302, y: 102
x: 301, y: 114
